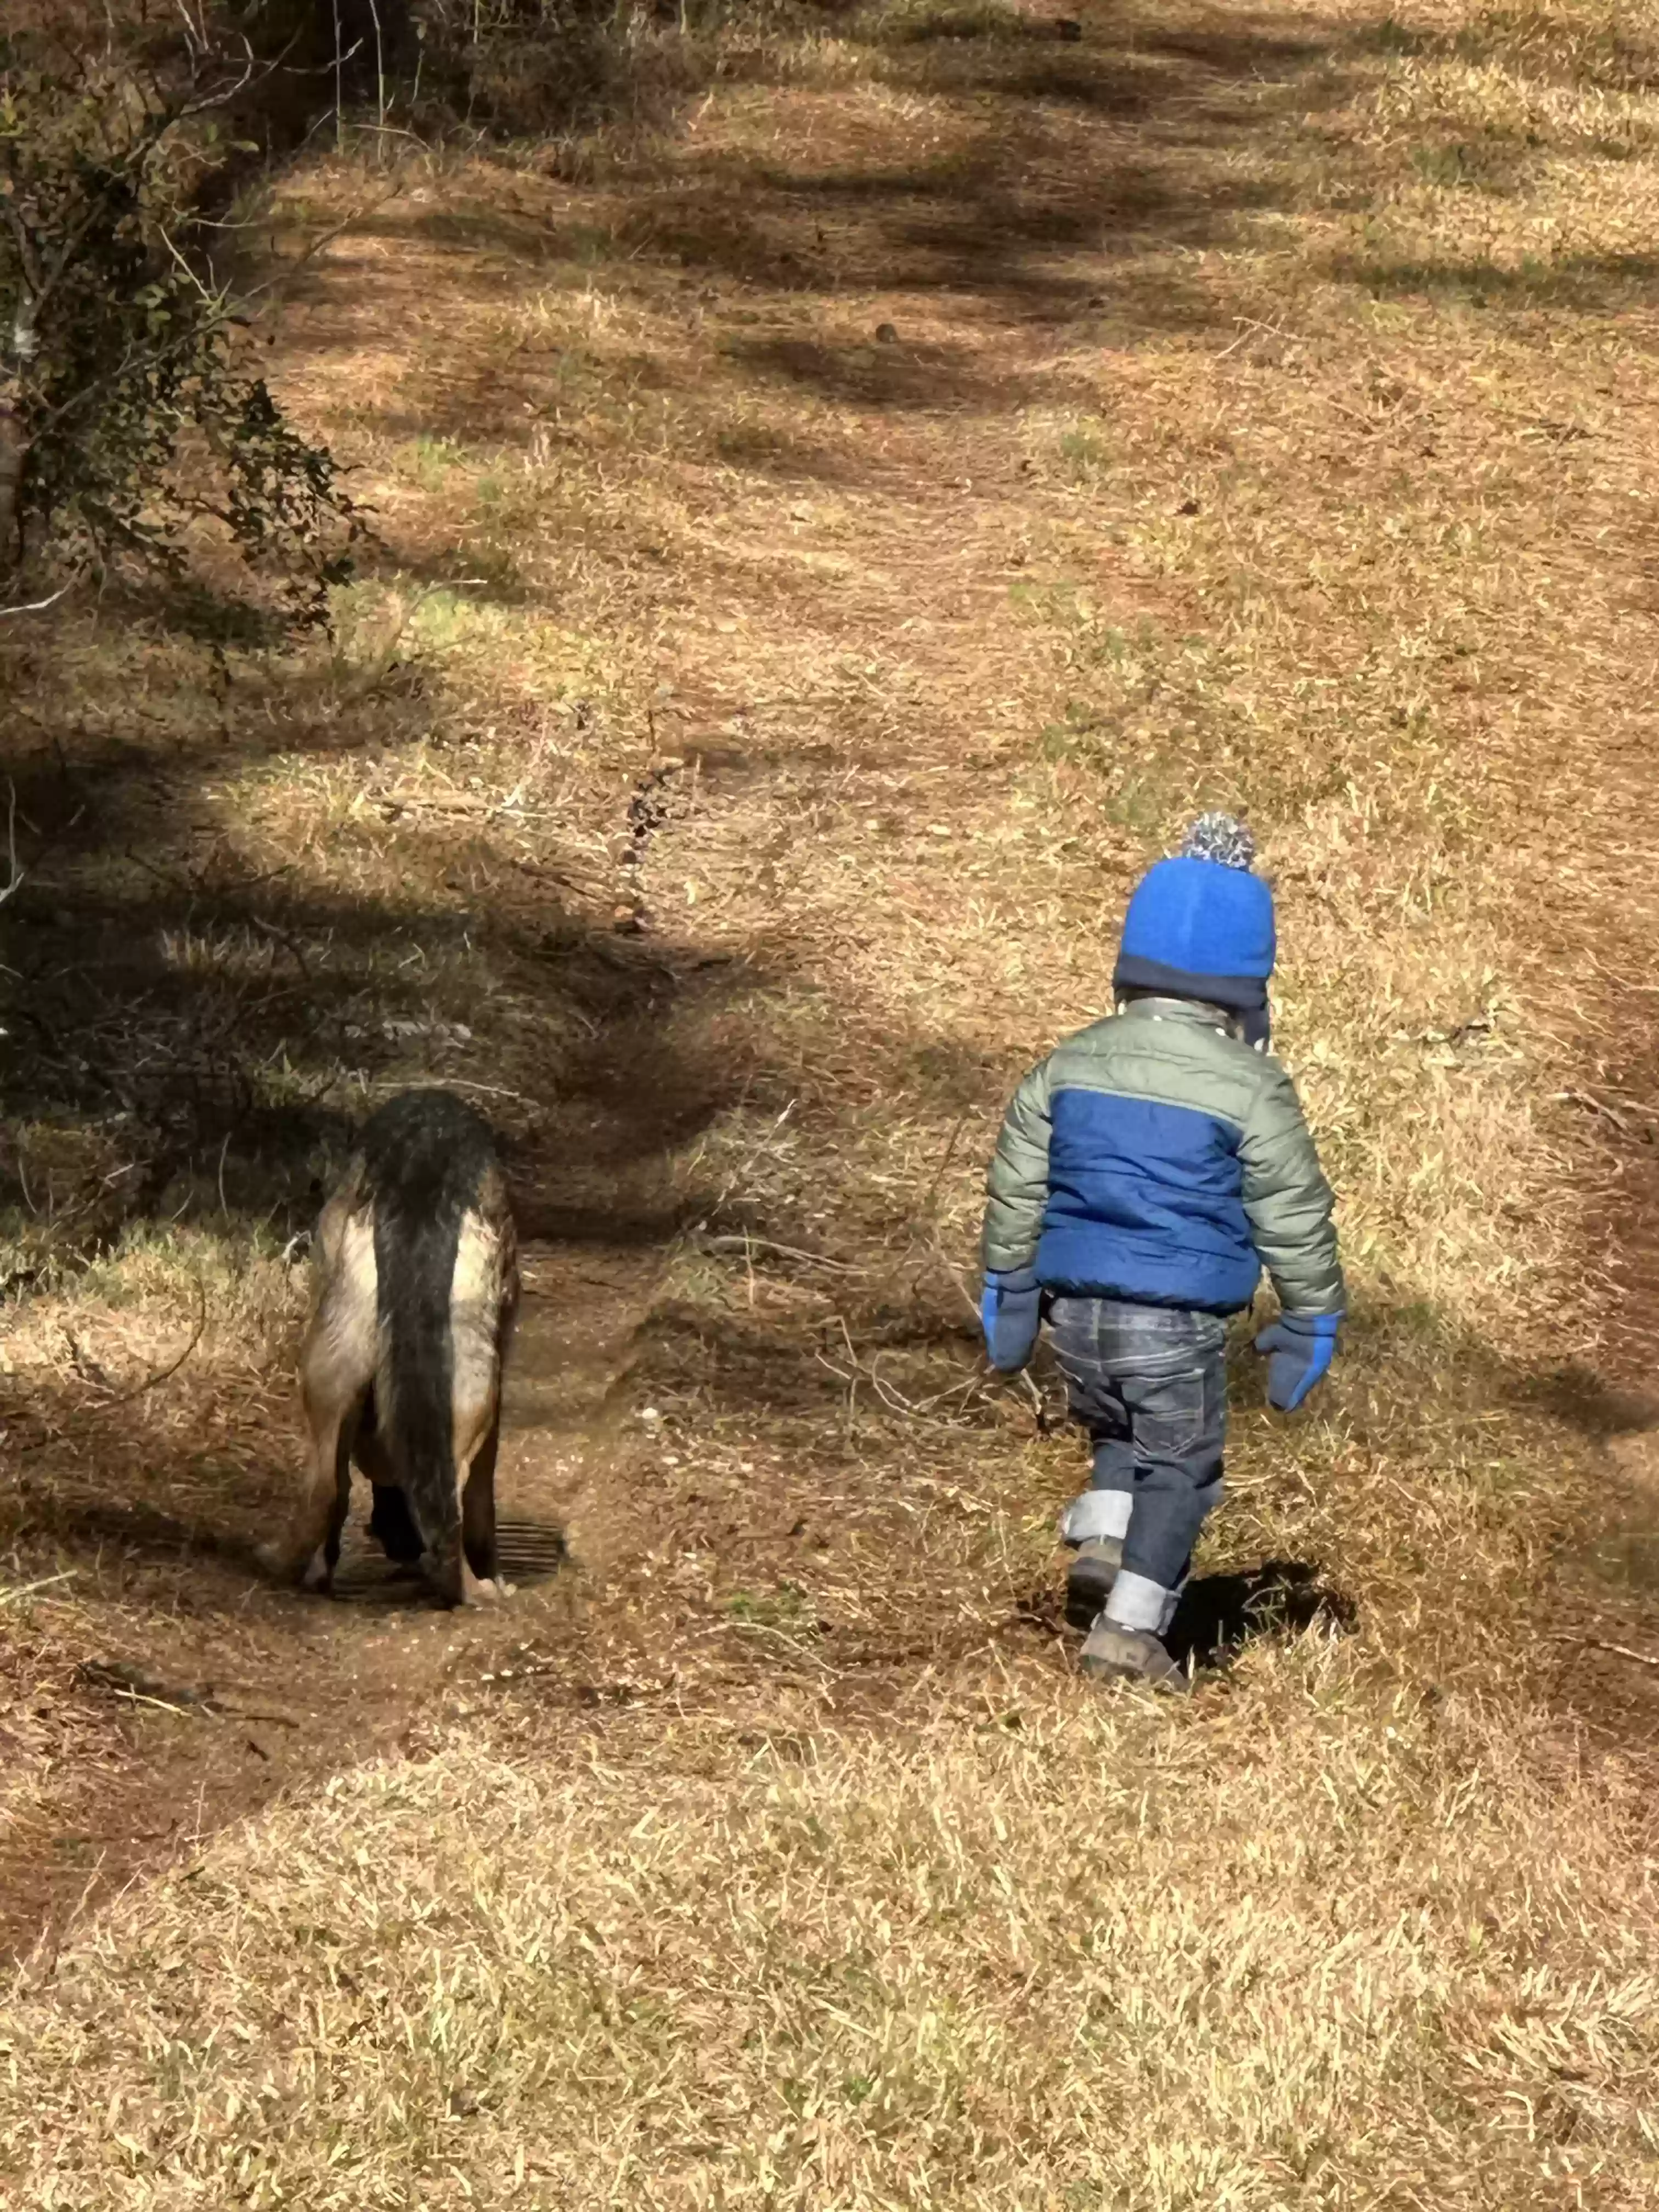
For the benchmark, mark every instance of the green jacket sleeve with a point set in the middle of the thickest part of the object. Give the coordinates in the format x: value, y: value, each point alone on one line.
x: 1016, y: 1188
x: 1288, y: 1201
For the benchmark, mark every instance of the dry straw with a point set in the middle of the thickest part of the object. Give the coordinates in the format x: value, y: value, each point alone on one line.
x: 1264, y: 424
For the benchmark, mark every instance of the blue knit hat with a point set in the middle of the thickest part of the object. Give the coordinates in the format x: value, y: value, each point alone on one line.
x: 1200, y: 926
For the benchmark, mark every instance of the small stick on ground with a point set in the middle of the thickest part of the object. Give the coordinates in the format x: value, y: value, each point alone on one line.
x: 746, y: 1243
x: 137, y: 1687
x: 1599, y: 1643
x: 125, y: 1397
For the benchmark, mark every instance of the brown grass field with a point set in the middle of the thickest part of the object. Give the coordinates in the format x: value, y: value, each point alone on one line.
x: 843, y: 506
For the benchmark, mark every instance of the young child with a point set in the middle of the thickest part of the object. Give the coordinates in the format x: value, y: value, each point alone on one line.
x: 1146, y: 1171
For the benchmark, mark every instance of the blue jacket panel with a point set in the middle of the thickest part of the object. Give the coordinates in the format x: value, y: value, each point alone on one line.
x: 1145, y: 1201
x: 1155, y: 1156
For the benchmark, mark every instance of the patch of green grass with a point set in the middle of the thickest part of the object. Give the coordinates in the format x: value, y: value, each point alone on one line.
x: 431, y: 461
x: 1087, y: 453
x: 786, y: 1606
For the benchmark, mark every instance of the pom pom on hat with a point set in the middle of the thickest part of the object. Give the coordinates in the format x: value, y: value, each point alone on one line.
x: 1200, y: 926
x: 1221, y: 837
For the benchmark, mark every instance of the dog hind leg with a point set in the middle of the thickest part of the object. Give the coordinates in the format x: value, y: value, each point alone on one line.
x: 482, y: 1297
x: 478, y: 1514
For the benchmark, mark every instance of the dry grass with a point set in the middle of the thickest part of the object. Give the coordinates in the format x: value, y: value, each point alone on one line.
x: 1062, y: 1953
x: 1266, y: 425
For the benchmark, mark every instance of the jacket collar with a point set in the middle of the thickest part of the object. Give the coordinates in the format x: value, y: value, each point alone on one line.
x: 1192, y: 1012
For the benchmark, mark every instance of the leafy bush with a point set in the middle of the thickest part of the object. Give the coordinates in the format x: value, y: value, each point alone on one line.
x: 130, y: 422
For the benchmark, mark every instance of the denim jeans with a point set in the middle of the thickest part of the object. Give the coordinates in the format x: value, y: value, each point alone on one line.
x: 1150, y: 1385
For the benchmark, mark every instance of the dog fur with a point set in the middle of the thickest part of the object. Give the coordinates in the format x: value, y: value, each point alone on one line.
x: 417, y: 1288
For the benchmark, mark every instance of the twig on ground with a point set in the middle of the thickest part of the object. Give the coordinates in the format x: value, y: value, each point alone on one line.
x: 125, y: 1397
x: 39, y: 607
x: 932, y: 1192
x: 27, y: 1589
x: 1596, y: 1106
x: 461, y: 1083
x: 282, y: 938
x: 746, y: 1243
x: 889, y: 1394
x: 14, y: 874
x: 792, y: 1643
x: 142, y: 1688
x: 1251, y: 329
x: 1599, y: 1643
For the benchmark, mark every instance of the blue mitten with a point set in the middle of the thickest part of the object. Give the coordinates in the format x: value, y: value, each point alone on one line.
x: 1011, y: 1313
x: 1300, y: 1347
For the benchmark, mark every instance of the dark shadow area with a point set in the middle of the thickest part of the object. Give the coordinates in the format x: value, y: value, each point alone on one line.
x: 116, y: 1529
x: 916, y: 1332
x: 1588, y: 1402
x: 195, y: 1033
x: 993, y: 216
x: 1118, y: 147
x: 191, y: 1035
x: 530, y: 1552
x: 1556, y: 48
x: 1218, y: 1614
x: 1585, y: 283
x: 911, y: 1359
x: 922, y: 379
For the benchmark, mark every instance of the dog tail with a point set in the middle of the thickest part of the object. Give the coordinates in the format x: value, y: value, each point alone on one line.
x: 426, y: 1155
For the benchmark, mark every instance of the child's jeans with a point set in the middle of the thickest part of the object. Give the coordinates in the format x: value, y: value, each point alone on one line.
x: 1150, y: 1385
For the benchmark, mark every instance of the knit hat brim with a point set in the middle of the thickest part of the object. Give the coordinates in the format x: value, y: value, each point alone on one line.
x: 1239, y: 994
x: 1243, y: 995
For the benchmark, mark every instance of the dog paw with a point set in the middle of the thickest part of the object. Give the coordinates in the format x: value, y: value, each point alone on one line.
x: 277, y: 1561
x: 318, y: 1575
x: 489, y: 1590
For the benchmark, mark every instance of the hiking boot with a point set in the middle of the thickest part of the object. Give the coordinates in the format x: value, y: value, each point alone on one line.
x: 1135, y: 1655
x: 1090, y: 1577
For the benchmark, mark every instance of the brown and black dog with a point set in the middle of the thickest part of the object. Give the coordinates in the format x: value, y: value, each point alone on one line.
x: 417, y: 1286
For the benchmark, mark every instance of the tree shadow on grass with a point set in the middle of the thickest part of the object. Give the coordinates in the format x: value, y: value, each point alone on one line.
x: 1125, y: 143
x: 194, y: 1028
x: 1583, y: 284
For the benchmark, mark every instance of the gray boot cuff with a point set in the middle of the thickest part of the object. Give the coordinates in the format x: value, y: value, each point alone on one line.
x: 1137, y: 1603
x: 1097, y: 1513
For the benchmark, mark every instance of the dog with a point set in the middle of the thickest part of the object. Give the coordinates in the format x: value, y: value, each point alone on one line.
x: 417, y: 1290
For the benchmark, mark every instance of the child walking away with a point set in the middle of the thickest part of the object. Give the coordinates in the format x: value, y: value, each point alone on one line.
x: 1147, y: 1170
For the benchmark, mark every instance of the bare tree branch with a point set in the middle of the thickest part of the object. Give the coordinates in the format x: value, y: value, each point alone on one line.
x: 11, y: 843
x: 37, y: 607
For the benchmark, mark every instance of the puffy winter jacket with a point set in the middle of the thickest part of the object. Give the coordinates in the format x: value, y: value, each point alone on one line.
x: 1154, y: 1157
